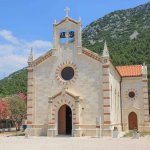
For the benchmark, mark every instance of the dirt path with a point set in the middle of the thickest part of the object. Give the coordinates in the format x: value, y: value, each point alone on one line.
x: 73, y: 143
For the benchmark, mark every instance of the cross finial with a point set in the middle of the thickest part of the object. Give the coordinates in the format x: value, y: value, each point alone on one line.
x: 67, y: 9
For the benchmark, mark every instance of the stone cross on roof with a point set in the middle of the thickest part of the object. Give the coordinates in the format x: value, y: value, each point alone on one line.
x: 67, y: 9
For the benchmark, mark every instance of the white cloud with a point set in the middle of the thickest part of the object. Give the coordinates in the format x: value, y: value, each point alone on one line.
x: 7, y: 35
x: 39, y: 44
x: 6, y: 49
x: 11, y: 63
x: 13, y: 56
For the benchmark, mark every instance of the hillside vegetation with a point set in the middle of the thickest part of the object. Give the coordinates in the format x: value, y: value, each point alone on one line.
x: 127, y: 33
x: 14, y: 83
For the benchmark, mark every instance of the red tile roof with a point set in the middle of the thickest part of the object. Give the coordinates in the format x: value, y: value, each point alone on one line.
x: 130, y: 71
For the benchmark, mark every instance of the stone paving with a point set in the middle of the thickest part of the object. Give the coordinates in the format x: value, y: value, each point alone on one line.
x: 73, y: 143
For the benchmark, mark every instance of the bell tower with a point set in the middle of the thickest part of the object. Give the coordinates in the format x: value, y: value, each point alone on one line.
x: 67, y: 32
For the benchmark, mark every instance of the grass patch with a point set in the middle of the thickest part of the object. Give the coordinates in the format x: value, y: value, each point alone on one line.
x: 128, y: 134
x: 145, y: 133
x: 12, y: 133
x: 142, y: 134
x: 18, y: 133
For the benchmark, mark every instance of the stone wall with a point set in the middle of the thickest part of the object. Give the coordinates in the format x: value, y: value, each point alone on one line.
x: 135, y: 104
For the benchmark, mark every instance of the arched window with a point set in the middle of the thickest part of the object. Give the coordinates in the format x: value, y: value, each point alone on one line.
x: 63, y: 37
x: 71, y: 36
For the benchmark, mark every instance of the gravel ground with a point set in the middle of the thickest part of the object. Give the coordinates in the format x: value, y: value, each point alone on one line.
x: 73, y: 143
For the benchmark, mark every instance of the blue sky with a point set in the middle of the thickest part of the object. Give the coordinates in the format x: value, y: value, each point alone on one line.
x: 25, y: 24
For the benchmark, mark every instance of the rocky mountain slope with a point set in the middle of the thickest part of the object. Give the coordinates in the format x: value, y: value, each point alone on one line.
x: 127, y: 33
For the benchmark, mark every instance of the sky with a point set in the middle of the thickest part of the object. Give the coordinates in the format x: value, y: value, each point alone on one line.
x: 26, y: 24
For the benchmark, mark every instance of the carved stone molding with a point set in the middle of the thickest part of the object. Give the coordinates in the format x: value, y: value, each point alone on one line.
x: 58, y: 76
x: 131, y: 90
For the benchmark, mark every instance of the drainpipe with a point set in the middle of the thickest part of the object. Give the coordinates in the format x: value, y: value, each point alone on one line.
x: 121, y: 103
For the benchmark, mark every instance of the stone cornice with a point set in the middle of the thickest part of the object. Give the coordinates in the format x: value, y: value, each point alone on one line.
x: 66, y: 18
x: 42, y: 58
x: 63, y: 93
x: 91, y: 54
x: 49, y: 54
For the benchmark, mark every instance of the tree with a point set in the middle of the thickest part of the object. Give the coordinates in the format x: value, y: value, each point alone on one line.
x: 4, y: 111
x: 17, y: 108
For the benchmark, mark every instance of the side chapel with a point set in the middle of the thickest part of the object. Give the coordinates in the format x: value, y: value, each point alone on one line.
x: 74, y: 91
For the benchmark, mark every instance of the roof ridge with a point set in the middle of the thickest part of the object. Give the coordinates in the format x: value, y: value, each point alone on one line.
x: 42, y: 57
x: 67, y: 18
x: 128, y: 65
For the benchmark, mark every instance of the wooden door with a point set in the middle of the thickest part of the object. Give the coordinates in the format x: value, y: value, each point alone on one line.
x: 62, y: 120
x: 133, y: 121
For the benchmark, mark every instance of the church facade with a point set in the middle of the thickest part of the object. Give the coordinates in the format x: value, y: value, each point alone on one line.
x: 74, y: 91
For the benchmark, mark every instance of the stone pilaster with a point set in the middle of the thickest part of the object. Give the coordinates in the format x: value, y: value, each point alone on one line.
x: 54, y: 36
x: 77, y: 113
x: 50, y: 118
x: 30, y: 97
x: 76, y: 117
x: 106, y: 95
x: 79, y: 34
x: 51, y: 123
x: 145, y: 94
x: 106, y: 91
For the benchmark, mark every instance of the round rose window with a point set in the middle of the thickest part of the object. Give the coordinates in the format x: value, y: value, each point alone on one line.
x: 67, y: 73
x: 131, y: 94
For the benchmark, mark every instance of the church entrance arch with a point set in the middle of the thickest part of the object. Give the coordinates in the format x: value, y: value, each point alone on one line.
x: 65, y: 120
x: 132, y: 121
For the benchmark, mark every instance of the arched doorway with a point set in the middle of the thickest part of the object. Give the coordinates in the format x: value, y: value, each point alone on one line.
x: 65, y: 120
x: 132, y: 121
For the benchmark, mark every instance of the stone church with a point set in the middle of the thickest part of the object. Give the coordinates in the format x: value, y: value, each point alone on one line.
x: 74, y: 91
